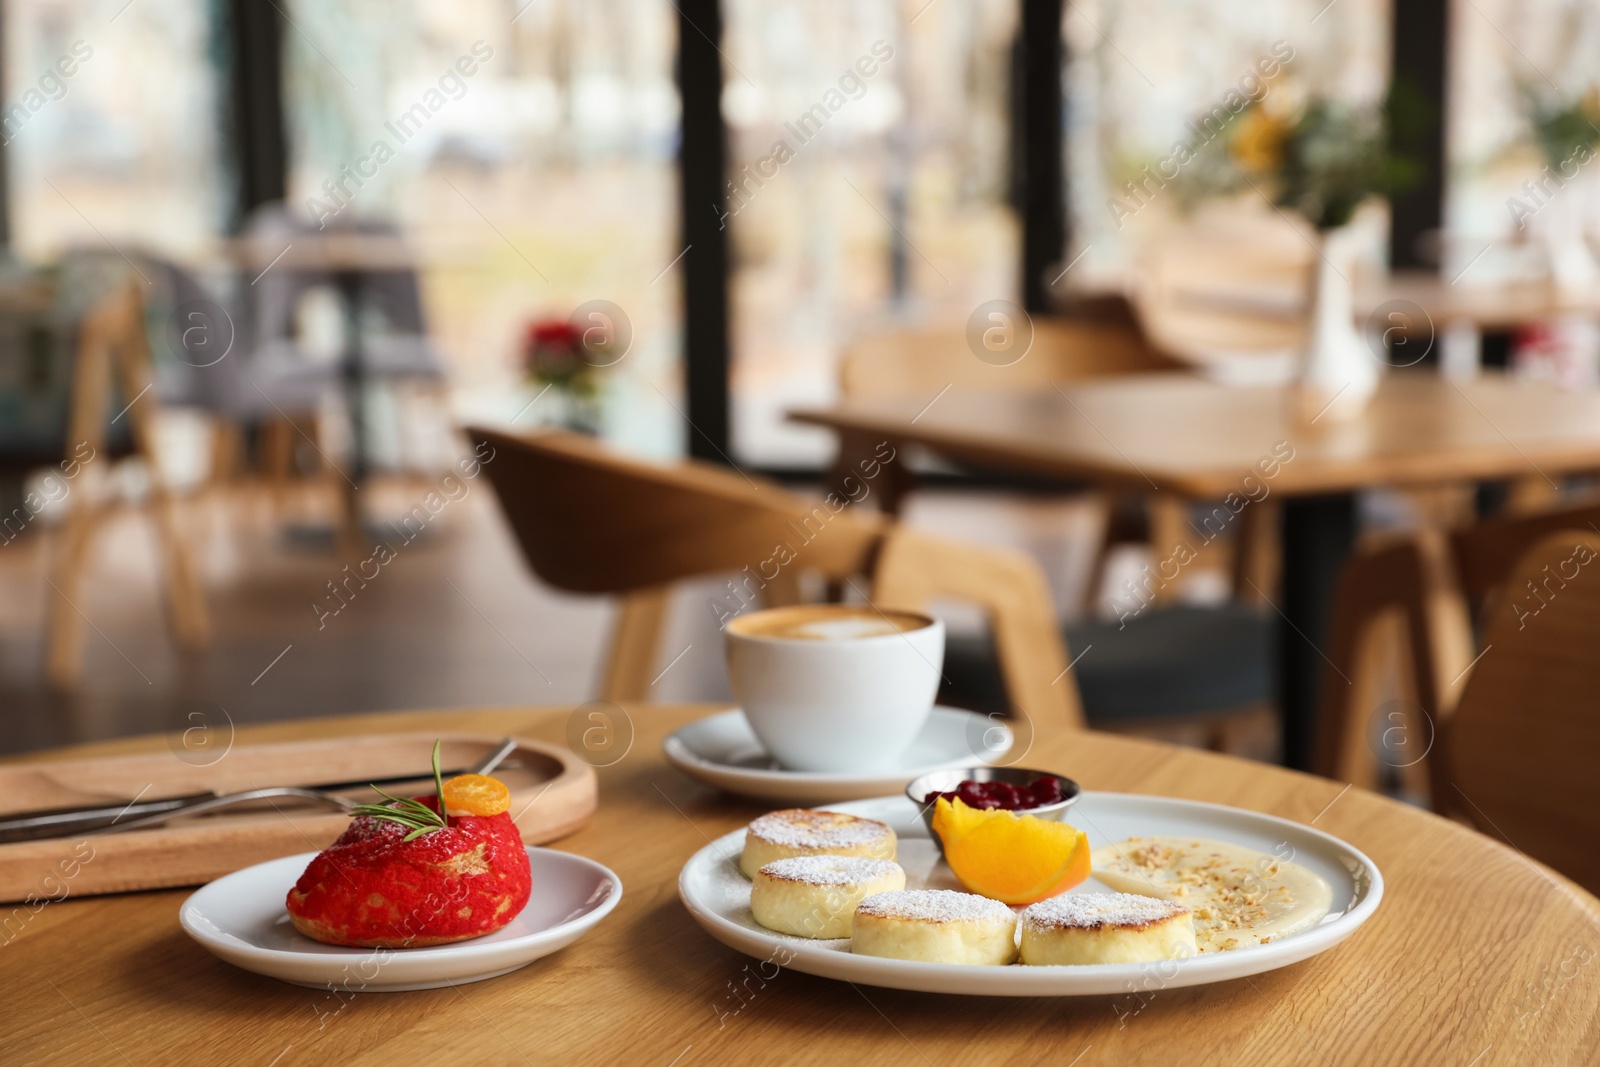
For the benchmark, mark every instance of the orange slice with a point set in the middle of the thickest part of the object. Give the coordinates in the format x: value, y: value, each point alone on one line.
x: 476, y: 794
x: 1017, y: 859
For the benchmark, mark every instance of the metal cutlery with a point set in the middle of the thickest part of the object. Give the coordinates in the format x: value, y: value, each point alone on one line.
x: 95, y: 821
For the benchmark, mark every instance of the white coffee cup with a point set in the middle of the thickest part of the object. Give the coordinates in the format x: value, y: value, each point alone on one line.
x: 835, y: 687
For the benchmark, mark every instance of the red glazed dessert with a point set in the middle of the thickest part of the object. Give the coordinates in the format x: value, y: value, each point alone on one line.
x: 372, y: 888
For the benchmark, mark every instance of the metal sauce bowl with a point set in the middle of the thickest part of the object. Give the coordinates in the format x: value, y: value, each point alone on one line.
x: 945, y: 781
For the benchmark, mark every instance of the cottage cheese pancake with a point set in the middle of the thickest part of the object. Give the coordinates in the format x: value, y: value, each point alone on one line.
x: 816, y: 896
x: 1239, y: 897
x: 935, y: 926
x: 780, y: 835
x: 1078, y: 928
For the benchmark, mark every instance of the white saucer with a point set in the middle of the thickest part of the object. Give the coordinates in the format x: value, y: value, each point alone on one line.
x: 718, y: 897
x: 722, y: 751
x: 240, y: 918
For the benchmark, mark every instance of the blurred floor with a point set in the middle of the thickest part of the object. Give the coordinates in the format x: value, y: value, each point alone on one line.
x: 455, y: 620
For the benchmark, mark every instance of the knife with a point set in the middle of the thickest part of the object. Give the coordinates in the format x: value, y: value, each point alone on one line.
x: 62, y: 822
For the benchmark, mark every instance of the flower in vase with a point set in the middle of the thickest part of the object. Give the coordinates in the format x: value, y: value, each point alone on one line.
x: 1316, y: 155
x: 1256, y: 145
x: 552, y: 354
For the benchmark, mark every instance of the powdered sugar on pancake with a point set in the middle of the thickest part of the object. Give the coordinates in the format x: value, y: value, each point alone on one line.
x: 804, y: 829
x: 1090, y: 911
x: 830, y: 870
x: 935, y: 906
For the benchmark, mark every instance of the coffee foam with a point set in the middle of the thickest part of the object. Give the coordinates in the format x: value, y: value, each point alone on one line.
x: 826, y: 623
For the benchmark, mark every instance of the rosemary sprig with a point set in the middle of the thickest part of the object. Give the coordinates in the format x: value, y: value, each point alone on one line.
x: 438, y: 781
x: 414, y: 814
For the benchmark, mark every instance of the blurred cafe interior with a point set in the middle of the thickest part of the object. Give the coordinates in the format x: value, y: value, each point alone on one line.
x: 352, y: 231
x: 1222, y: 376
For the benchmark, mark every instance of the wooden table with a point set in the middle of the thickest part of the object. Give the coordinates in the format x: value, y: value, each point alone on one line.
x: 1179, y: 434
x: 1489, y: 305
x: 1254, y: 331
x: 1455, y: 314
x: 1486, y: 306
x: 1473, y: 958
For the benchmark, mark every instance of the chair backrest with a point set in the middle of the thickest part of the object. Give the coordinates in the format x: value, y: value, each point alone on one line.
x: 1062, y: 351
x: 1434, y: 586
x: 590, y: 521
x: 1397, y: 596
x: 1261, y: 271
x: 394, y: 293
x: 1521, y: 744
x: 178, y: 303
x: 1231, y: 298
x: 1485, y: 553
x: 277, y: 292
x: 35, y: 376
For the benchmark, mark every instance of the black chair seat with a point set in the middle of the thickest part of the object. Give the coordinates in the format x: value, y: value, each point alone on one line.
x: 1166, y: 663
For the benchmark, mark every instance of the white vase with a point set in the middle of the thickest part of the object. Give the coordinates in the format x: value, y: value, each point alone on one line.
x: 1572, y: 264
x: 1338, y: 371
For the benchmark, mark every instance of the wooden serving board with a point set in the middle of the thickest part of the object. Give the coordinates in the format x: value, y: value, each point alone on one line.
x: 553, y: 793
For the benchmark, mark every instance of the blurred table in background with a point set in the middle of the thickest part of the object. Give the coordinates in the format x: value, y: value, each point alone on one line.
x: 351, y: 260
x: 1178, y: 434
x: 1501, y: 306
x: 1249, y: 331
x: 1456, y: 314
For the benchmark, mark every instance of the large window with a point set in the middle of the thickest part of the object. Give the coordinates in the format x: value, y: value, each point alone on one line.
x: 875, y: 138
x: 111, y: 126
x: 1506, y: 54
x: 542, y: 179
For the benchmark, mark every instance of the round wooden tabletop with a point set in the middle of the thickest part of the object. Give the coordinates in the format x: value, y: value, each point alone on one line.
x: 1477, y: 955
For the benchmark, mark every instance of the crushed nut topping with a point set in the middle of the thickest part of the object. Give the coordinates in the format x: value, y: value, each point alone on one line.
x: 1230, y: 893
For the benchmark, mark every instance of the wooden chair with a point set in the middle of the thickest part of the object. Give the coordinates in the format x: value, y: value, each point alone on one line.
x: 1485, y: 554
x: 1396, y: 597
x: 1421, y: 593
x: 917, y: 361
x: 1520, y: 747
x: 112, y: 339
x: 1109, y: 344
x: 1232, y: 299
x: 925, y: 362
x: 1136, y: 679
x: 590, y: 521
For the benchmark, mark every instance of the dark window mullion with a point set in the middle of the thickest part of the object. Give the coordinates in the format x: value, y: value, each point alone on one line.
x: 253, y: 31
x: 1038, y: 186
x: 1421, y: 48
x: 702, y: 156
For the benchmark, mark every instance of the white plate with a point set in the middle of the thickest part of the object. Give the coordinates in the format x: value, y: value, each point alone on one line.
x: 240, y: 918
x: 722, y: 751
x: 718, y: 896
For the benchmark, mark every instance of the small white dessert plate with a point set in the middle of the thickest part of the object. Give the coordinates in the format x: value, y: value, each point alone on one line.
x: 240, y: 918
x: 718, y: 897
x: 722, y: 751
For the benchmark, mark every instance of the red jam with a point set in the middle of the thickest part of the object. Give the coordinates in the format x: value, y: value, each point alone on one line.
x: 1003, y: 795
